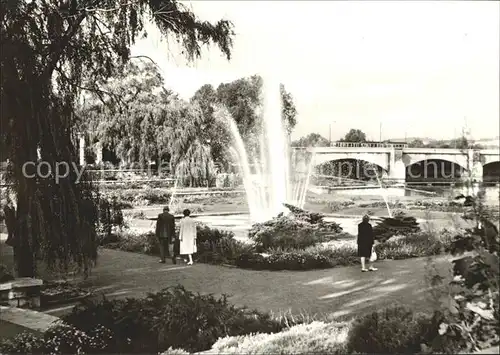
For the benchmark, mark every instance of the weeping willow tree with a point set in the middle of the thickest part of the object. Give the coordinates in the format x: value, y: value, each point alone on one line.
x: 126, y: 126
x: 51, y: 51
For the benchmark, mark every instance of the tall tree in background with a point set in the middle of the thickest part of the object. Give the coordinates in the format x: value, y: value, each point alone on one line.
x: 416, y: 143
x: 125, y: 121
x: 48, y: 50
x: 355, y: 136
x: 214, y: 132
x: 243, y: 99
x: 311, y: 140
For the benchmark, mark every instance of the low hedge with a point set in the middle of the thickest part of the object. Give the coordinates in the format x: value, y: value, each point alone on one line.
x: 220, y: 247
x: 414, y: 245
x: 172, y: 318
x: 344, y: 253
x: 316, y: 257
x: 215, y: 246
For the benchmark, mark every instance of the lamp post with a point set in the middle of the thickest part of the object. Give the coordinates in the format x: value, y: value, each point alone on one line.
x: 330, y: 132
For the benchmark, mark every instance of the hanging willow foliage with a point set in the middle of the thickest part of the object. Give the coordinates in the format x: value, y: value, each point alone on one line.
x: 51, y: 51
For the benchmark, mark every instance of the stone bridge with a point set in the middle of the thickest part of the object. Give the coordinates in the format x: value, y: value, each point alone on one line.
x: 395, y: 158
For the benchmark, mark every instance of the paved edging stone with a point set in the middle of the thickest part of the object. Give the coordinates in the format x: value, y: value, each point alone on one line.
x: 28, y: 318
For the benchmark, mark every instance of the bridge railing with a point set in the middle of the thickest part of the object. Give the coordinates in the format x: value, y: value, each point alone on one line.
x: 368, y: 145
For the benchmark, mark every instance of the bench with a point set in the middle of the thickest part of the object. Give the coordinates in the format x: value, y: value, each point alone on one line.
x: 22, y: 292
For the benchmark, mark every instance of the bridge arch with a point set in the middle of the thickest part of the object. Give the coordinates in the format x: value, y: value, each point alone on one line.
x: 356, y: 169
x: 440, y: 169
x: 411, y: 158
x: 491, y: 171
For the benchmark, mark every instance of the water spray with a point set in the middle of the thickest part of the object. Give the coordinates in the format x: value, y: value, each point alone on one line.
x: 384, y: 196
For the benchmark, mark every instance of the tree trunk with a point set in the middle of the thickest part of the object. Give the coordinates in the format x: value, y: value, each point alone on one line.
x: 24, y: 257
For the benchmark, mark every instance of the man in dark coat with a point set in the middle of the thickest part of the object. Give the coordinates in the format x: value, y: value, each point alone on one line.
x: 165, y: 232
x: 365, y: 243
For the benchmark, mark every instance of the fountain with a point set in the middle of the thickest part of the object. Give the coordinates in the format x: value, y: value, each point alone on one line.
x: 267, y: 179
x: 172, y: 196
x: 382, y: 192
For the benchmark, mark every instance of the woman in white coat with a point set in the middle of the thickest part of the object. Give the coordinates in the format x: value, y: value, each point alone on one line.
x: 187, y: 236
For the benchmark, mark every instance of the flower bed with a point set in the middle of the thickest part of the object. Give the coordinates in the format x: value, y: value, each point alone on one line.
x: 214, y: 246
x: 414, y: 245
x: 60, y: 293
x: 315, y: 257
x: 296, y: 231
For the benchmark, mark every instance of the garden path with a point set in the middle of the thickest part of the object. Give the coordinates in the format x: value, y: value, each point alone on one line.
x: 343, y: 291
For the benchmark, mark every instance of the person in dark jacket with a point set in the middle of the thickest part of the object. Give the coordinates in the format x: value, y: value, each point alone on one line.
x: 365, y: 243
x: 10, y: 222
x: 165, y: 232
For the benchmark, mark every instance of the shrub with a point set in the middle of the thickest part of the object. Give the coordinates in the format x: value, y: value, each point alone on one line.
x: 392, y: 330
x: 194, y: 208
x: 5, y: 275
x: 414, y: 245
x: 138, y: 215
x: 316, y: 257
x: 303, y: 215
x: 283, y: 232
x: 172, y: 351
x: 173, y: 318
x: 133, y: 242
x: 61, y: 339
x: 470, y: 316
x: 225, y: 250
x: 380, y: 204
x: 24, y: 343
x: 400, y: 224
x: 110, y: 216
x: 336, y: 206
x: 316, y: 337
x: 298, y: 230
x: 214, y: 245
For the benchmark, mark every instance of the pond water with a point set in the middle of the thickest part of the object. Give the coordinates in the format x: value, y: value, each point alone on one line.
x: 240, y: 224
x: 446, y: 192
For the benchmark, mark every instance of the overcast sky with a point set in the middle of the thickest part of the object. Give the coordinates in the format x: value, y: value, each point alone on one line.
x: 420, y: 68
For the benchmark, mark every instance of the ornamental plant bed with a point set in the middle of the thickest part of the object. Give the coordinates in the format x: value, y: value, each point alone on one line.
x: 60, y: 293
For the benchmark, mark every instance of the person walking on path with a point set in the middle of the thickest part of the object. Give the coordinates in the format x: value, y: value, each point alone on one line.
x: 365, y: 243
x: 165, y: 232
x: 187, y: 236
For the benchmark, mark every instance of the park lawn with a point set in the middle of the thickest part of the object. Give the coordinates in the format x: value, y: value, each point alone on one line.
x: 339, y: 292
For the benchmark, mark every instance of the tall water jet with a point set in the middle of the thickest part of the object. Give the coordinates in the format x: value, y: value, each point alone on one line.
x: 276, y: 153
x: 382, y: 191
x: 267, y: 176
